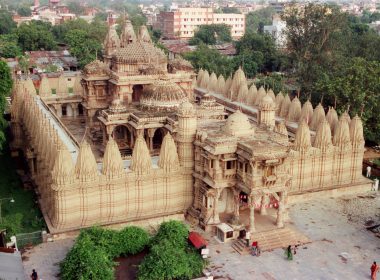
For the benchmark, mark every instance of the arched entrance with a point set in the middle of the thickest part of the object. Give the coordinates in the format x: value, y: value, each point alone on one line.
x: 123, y: 138
x: 226, y: 201
x: 80, y: 109
x: 136, y: 93
x: 157, y: 139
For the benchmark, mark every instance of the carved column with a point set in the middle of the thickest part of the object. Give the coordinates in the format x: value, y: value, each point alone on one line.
x: 236, y: 217
x: 280, y: 211
x: 251, y: 204
x: 264, y: 201
x: 216, y: 211
x: 150, y: 138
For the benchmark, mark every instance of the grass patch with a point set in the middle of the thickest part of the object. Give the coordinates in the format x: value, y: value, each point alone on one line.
x: 24, y: 215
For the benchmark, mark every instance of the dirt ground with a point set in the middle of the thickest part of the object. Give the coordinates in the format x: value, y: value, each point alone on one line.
x: 127, y: 268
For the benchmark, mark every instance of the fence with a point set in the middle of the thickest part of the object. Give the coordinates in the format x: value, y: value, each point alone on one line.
x: 32, y: 238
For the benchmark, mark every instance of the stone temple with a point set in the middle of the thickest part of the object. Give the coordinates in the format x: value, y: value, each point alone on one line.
x: 141, y: 137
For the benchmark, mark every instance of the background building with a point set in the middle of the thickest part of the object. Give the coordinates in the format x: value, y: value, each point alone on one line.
x: 183, y: 22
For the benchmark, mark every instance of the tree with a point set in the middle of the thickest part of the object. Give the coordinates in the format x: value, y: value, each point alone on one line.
x: 24, y: 11
x: 174, y: 231
x: 8, y: 46
x: 7, y: 25
x: 167, y: 261
x: 309, y: 36
x: 355, y: 85
x: 210, y: 60
x: 83, y: 46
x: 228, y: 10
x: 86, y: 261
x: 259, y: 18
x: 75, y: 8
x: 5, y: 89
x: 36, y: 35
x: 261, y: 49
x: 211, y: 34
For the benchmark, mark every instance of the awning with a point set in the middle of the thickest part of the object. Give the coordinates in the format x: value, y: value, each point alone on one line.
x: 197, y: 240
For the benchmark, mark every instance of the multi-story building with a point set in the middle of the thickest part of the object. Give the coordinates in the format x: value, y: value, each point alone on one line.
x: 277, y: 30
x: 183, y: 22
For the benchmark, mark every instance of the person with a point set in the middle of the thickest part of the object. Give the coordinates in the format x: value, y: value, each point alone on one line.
x: 247, y: 237
x: 368, y: 171
x: 374, y: 269
x: 288, y: 253
x: 34, y: 275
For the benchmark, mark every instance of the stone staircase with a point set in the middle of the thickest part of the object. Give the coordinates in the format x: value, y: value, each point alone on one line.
x: 240, y: 246
x: 273, y: 239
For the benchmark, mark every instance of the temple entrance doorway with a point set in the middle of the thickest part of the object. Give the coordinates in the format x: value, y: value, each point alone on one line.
x: 123, y: 138
x: 157, y: 139
x: 136, y: 92
x: 80, y: 109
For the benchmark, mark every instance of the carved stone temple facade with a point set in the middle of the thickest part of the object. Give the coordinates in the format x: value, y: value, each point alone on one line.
x: 140, y: 137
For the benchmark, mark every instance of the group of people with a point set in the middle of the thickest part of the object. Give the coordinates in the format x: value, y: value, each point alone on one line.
x: 290, y: 251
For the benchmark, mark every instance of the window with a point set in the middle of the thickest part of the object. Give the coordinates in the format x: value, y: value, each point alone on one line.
x: 229, y: 164
x: 53, y: 91
x: 69, y: 79
x: 211, y: 163
x: 229, y: 234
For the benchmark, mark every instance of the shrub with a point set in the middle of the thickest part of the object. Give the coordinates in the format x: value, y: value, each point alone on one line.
x: 174, y: 231
x: 132, y: 240
x: 104, y: 239
x: 167, y: 261
x: 86, y: 261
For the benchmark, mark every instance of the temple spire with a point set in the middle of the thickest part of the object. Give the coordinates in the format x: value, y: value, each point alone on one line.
x: 294, y: 110
x: 342, y: 133
x: 141, y: 160
x: 86, y: 168
x: 168, y: 160
x: 323, y: 137
x: 63, y: 170
x: 302, y: 140
x: 113, y: 166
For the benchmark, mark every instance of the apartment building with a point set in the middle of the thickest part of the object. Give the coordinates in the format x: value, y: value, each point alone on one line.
x: 182, y: 22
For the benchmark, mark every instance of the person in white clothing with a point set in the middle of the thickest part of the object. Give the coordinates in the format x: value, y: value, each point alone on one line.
x: 368, y: 171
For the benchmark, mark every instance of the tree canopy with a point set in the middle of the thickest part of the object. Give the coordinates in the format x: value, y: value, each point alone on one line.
x: 6, y: 22
x: 211, y: 34
x: 254, y: 21
x: 36, y: 35
x: 5, y: 89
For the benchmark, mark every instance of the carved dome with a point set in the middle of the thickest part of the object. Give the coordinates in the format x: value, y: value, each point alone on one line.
x: 186, y: 109
x: 267, y: 103
x: 163, y: 95
x: 96, y: 67
x: 207, y: 100
x: 238, y: 125
x: 140, y: 52
x: 117, y: 106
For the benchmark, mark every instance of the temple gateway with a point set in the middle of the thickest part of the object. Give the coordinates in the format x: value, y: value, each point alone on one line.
x: 141, y: 137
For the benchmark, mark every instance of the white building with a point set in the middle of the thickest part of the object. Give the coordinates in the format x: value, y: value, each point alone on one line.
x: 277, y: 30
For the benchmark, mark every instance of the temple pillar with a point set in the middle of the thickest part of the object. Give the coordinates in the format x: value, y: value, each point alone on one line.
x: 251, y: 204
x: 236, y: 216
x: 216, y: 201
x: 264, y: 200
x: 218, y: 170
x: 281, y: 210
x: 58, y: 110
x: 74, y: 106
x: 150, y: 138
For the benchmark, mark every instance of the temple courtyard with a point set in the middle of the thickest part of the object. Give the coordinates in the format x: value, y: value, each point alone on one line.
x: 341, y: 247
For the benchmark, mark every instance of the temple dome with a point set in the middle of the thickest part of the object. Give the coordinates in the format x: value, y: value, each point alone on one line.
x: 96, y: 67
x: 186, y: 109
x: 162, y: 95
x: 267, y: 103
x: 117, y: 106
x: 238, y: 125
x: 140, y: 52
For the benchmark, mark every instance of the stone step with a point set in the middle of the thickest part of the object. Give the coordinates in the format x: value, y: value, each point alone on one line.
x: 279, y: 238
x: 240, y: 247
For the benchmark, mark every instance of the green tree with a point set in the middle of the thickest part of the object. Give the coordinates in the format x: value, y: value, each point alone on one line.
x: 210, y: 60
x: 174, y: 231
x: 167, y: 261
x: 259, y: 18
x: 36, y: 35
x: 311, y: 40
x: 132, y: 240
x: 7, y: 25
x: 86, y: 261
x: 75, y: 8
x: 261, y: 49
x: 24, y: 11
x: 355, y: 85
x: 5, y: 89
x: 8, y: 46
x: 211, y: 34
x: 83, y: 46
